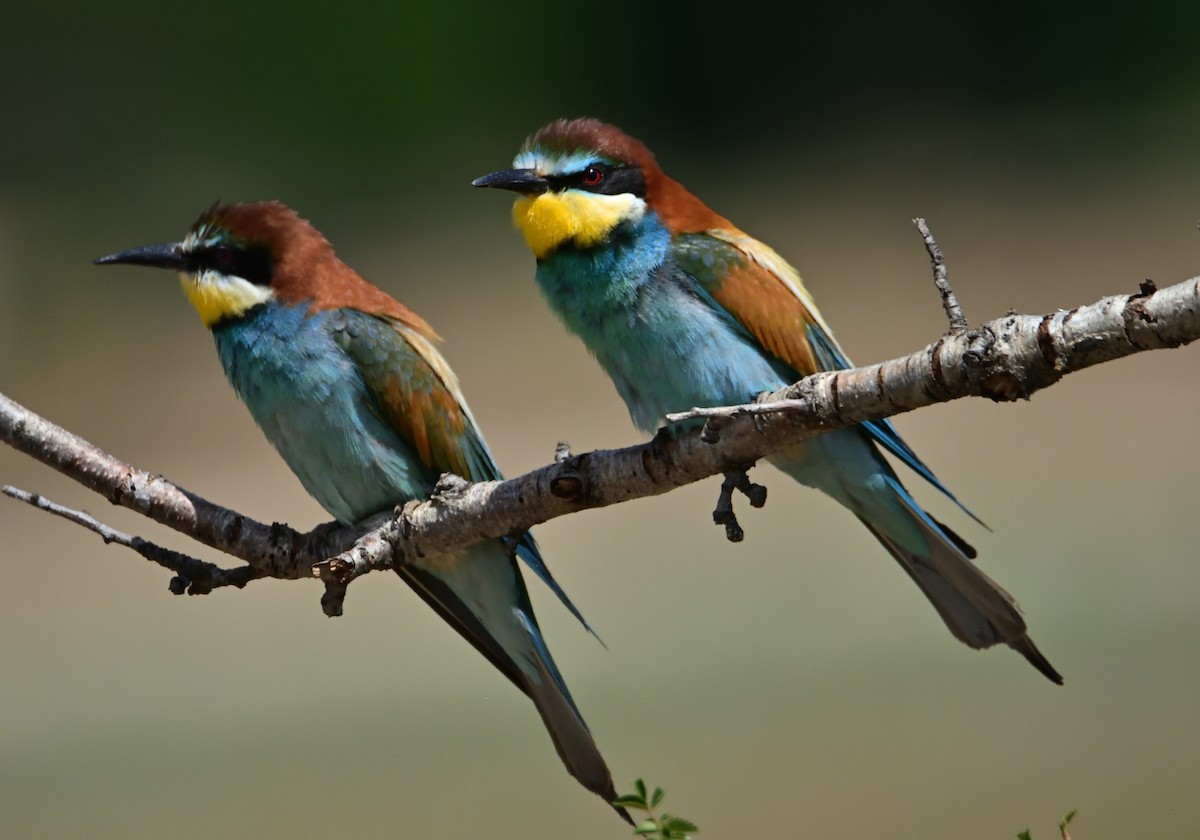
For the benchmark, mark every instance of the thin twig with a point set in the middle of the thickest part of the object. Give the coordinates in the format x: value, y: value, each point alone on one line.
x: 732, y: 412
x: 196, y: 577
x: 941, y: 278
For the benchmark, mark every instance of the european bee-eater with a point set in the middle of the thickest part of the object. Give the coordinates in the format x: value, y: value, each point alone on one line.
x: 348, y: 385
x: 683, y: 309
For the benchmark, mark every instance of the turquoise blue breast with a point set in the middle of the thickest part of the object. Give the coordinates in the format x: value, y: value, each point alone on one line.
x: 661, y: 338
x: 310, y: 400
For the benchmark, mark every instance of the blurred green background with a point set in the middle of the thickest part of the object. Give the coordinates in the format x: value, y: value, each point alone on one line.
x: 793, y: 685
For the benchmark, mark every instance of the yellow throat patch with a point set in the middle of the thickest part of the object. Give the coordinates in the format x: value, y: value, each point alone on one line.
x: 219, y: 296
x: 554, y: 218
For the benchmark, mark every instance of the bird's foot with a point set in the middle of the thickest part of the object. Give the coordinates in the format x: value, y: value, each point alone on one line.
x: 736, y: 480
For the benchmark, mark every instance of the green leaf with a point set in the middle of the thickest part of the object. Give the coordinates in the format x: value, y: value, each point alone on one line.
x: 631, y: 800
x: 640, y: 787
x: 656, y: 797
x: 1070, y: 816
x: 1024, y: 835
x: 677, y: 825
x: 647, y: 827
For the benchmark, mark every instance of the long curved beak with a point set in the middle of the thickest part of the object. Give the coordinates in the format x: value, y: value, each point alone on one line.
x: 525, y: 181
x: 165, y: 255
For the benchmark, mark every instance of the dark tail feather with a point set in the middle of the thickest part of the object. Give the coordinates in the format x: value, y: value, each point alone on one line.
x: 570, y: 734
x: 976, y: 609
x: 571, y: 738
x: 1024, y: 645
x: 1028, y: 649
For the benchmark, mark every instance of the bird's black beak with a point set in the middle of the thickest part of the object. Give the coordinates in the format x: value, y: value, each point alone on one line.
x: 166, y: 255
x: 524, y: 181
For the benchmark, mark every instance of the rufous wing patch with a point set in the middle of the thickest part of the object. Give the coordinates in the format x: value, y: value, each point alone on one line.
x: 766, y: 295
x: 423, y: 404
x: 773, y: 315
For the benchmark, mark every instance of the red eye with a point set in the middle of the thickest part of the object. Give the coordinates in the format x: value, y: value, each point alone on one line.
x: 592, y: 176
x: 222, y: 256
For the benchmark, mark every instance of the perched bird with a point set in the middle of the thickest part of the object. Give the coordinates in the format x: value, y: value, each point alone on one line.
x: 682, y: 309
x: 348, y: 385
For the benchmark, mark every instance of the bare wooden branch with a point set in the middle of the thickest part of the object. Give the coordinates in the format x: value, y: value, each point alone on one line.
x: 1007, y: 359
x: 195, y: 577
x: 150, y: 495
x: 941, y: 279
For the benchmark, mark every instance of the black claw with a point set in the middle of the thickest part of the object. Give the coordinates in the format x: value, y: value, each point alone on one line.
x: 733, y: 530
x: 723, y: 513
x: 333, y: 599
x: 756, y: 493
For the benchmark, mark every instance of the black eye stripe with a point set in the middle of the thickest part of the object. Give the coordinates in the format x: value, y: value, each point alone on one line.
x: 253, y: 264
x: 616, y: 180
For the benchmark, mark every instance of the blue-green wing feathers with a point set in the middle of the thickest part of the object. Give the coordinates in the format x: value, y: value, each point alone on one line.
x: 764, y: 297
x: 416, y: 392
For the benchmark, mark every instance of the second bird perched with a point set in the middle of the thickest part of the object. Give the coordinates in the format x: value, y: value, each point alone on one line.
x: 683, y: 309
x: 348, y: 385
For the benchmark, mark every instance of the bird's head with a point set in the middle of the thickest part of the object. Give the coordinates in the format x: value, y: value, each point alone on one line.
x: 238, y: 256
x: 578, y: 180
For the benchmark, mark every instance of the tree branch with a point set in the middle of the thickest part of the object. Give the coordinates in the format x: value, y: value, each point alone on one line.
x: 941, y: 279
x: 193, y: 576
x: 1006, y: 359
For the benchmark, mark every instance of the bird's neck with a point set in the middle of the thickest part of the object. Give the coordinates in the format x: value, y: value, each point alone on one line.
x: 584, y: 285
